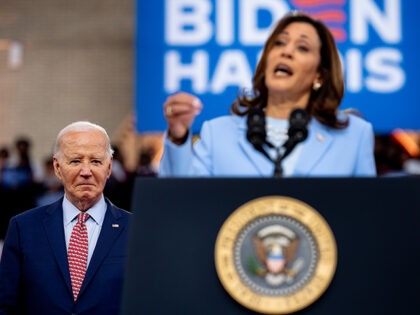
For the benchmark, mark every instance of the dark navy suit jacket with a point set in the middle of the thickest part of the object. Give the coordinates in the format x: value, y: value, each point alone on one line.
x: 34, y: 270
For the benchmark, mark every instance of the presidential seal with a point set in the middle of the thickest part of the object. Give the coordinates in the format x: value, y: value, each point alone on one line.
x: 275, y: 255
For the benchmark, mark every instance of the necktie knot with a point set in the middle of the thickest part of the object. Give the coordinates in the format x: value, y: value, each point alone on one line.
x: 82, y: 217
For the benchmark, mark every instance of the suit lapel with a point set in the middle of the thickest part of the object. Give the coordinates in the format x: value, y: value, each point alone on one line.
x: 260, y: 162
x: 105, y: 242
x: 317, y: 144
x: 53, y: 225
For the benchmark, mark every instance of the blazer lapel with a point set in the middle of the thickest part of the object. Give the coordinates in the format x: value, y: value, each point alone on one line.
x: 53, y: 225
x: 316, y: 145
x: 260, y: 162
x: 105, y: 242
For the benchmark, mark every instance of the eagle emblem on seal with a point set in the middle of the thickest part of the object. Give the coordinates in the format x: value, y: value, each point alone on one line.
x: 275, y: 248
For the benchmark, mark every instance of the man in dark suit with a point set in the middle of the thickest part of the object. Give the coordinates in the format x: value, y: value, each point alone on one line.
x: 68, y: 257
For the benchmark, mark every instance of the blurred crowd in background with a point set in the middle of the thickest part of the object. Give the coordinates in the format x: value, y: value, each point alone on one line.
x: 398, y: 154
x: 25, y: 184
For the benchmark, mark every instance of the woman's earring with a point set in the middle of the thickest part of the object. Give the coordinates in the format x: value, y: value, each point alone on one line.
x: 316, y: 86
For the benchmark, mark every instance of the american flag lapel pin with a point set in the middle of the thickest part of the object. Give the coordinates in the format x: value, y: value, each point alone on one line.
x: 115, y: 225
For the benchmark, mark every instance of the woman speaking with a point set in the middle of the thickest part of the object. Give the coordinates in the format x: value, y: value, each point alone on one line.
x: 299, y: 68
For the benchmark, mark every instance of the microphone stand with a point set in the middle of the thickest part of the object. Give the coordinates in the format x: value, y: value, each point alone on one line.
x: 257, y: 136
x: 278, y: 169
x: 288, y: 146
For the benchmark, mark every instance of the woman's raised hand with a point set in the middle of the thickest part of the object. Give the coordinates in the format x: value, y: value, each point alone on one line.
x: 180, y: 110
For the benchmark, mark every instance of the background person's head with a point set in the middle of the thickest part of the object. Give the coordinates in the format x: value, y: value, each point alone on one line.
x: 83, y: 161
x: 23, y: 147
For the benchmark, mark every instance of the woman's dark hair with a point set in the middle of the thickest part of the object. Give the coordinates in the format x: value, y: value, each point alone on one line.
x: 323, y: 103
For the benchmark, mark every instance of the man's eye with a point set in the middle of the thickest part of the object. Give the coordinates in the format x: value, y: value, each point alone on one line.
x: 96, y: 161
x: 74, y: 161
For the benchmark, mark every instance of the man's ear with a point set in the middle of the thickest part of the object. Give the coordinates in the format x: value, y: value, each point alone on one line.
x: 110, y: 166
x: 57, y: 168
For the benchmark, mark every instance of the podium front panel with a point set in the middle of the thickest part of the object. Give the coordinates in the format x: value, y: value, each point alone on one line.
x: 375, y: 221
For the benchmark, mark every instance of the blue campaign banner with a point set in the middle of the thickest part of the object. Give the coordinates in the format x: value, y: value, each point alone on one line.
x: 210, y: 48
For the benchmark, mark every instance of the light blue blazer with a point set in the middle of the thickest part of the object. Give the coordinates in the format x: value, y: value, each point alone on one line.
x: 223, y: 150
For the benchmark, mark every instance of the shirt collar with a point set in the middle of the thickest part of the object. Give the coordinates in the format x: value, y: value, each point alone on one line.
x: 97, y: 212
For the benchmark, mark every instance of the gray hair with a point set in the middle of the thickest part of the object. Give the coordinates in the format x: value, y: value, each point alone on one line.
x: 80, y: 126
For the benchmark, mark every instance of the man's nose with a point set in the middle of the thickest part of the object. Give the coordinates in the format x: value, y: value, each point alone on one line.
x: 85, y: 170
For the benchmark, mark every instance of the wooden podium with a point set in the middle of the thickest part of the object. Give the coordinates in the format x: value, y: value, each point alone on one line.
x: 375, y: 221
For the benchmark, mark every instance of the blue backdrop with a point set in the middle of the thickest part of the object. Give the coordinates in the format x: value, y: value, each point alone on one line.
x: 210, y: 48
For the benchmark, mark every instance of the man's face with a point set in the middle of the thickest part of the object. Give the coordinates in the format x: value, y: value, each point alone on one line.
x: 83, y: 166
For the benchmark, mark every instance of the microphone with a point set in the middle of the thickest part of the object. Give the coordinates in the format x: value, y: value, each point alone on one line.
x: 298, y: 125
x: 256, y: 133
x: 298, y: 129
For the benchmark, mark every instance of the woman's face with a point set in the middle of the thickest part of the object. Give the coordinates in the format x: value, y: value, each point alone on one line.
x: 292, y: 64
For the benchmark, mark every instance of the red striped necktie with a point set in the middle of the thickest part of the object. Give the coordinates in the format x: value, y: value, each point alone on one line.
x: 78, y: 253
